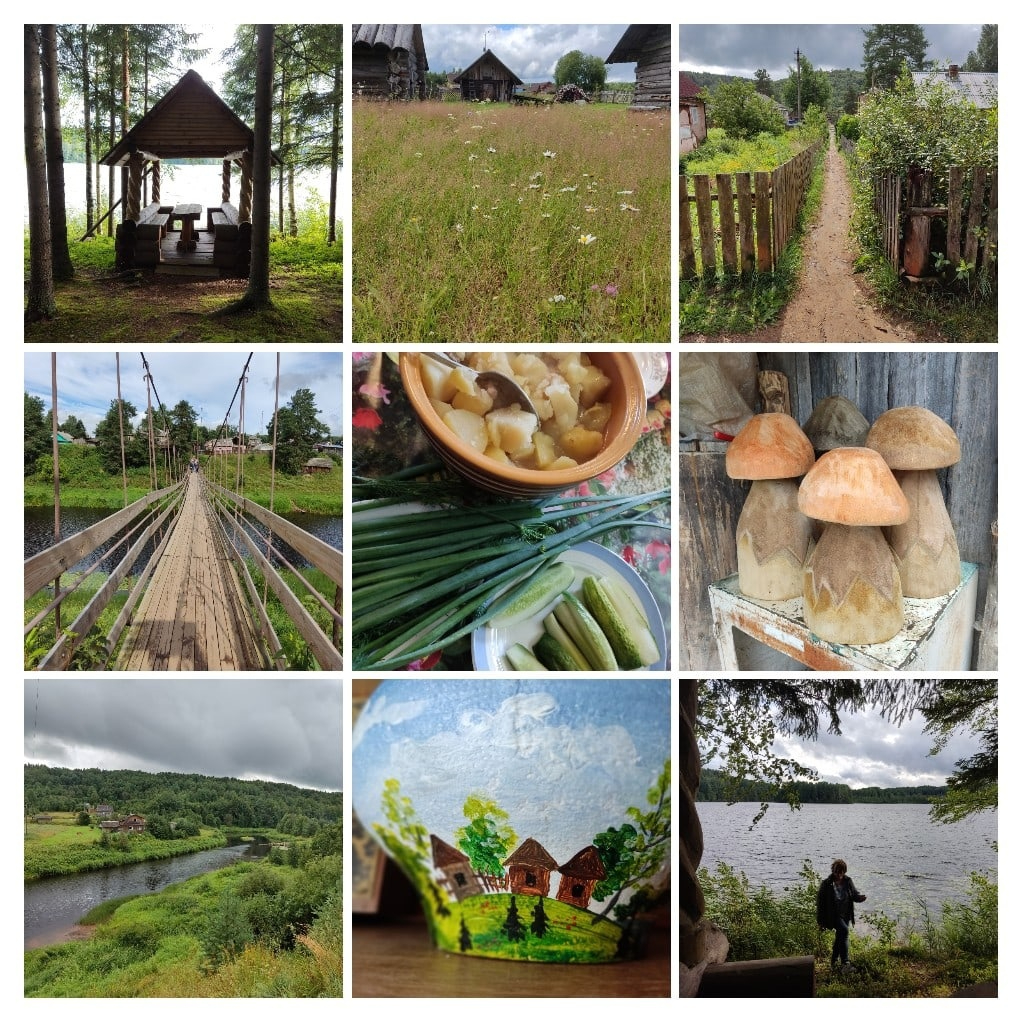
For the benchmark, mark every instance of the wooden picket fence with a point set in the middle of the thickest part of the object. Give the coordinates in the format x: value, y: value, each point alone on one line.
x: 757, y: 215
x: 971, y: 214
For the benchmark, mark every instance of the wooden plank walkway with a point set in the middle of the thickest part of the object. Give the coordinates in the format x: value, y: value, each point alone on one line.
x: 192, y: 616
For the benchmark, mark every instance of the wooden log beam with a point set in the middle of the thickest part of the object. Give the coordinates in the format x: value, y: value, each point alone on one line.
x: 784, y: 977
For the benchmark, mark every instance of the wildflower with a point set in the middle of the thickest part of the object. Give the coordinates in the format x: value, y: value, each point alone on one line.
x: 368, y: 419
x: 491, y: 149
x: 536, y: 175
x: 534, y: 186
x: 625, y: 192
x: 611, y: 289
x: 418, y: 154
x: 475, y: 207
x: 557, y: 298
x: 590, y: 209
x: 543, y: 215
x: 632, y: 209
x: 568, y: 188
x: 587, y: 239
x: 376, y: 391
x: 472, y: 156
x: 459, y: 228
x: 549, y: 154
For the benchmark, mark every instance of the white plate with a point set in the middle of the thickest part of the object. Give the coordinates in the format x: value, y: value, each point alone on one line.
x: 586, y: 559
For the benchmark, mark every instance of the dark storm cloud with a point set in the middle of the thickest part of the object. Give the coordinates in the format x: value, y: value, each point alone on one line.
x: 530, y: 51
x: 278, y: 730
x: 742, y: 49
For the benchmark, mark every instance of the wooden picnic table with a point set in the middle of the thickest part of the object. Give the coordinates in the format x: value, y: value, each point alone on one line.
x: 188, y: 214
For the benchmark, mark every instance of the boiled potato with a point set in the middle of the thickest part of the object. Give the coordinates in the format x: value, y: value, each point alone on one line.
x: 582, y: 444
x: 468, y: 427
x: 511, y: 429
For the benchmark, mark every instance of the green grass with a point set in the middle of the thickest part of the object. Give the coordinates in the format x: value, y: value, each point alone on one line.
x: 223, y: 933
x: 890, y: 957
x: 463, y: 230
x: 65, y: 848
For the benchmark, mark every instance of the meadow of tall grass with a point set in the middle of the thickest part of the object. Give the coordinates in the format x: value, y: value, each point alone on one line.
x: 490, y: 222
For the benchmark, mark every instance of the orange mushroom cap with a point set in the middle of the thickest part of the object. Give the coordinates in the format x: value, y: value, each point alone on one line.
x: 855, y: 487
x: 771, y: 446
x: 912, y: 437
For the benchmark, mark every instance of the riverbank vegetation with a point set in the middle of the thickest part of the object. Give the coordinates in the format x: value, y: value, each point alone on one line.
x: 717, y: 785
x: 269, y: 929
x: 891, y: 956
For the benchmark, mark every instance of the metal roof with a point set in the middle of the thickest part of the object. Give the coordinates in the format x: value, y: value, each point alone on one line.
x: 978, y: 87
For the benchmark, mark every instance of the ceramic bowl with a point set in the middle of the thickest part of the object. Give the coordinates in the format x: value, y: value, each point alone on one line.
x: 532, y: 816
x: 628, y: 399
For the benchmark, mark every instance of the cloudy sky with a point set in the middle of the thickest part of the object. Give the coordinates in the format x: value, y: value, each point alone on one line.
x: 873, y: 752
x: 742, y: 49
x: 563, y: 758
x: 271, y: 729
x: 531, y: 51
x: 87, y: 383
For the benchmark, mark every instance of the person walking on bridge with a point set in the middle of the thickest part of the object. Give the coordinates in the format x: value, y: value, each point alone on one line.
x: 836, y: 897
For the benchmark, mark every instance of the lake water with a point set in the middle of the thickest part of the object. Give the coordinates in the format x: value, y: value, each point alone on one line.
x: 53, y: 905
x: 192, y: 183
x: 895, y: 854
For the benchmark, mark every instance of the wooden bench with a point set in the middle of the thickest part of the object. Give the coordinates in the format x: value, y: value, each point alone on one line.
x: 232, y: 241
x: 137, y: 242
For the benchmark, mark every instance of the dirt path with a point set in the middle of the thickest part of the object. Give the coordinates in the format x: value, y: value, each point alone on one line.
x: 830, y: 302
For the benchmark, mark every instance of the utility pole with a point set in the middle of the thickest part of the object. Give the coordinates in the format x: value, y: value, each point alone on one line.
x: 799, y: 115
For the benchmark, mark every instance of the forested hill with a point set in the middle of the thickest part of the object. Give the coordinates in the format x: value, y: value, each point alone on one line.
x: 715, y: 785
x: 199, y: 798
x: 847, y: 84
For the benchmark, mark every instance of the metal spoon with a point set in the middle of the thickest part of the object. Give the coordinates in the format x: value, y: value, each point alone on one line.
x: 504, y: 390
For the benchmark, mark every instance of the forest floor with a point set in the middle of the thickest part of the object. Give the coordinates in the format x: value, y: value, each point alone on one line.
x: 140, y: 307
x: 831, y: 303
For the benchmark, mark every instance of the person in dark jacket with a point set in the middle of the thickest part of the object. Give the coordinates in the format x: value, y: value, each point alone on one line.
x: 836, y: 897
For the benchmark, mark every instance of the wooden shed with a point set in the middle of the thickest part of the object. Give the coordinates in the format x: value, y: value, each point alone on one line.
x: 961, y: 388
x: 529, y: 869
x: 487, y: 79
x: 579, y: 877
x: 693, y: 124
x: 457, y: 873
x: 389, y: 62
x: 189, y: 122
x: 651, y: 47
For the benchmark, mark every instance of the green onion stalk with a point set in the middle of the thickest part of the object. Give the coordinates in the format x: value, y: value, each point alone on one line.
x: 423, y: 578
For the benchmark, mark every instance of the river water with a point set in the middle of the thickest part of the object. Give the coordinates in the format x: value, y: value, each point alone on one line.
x: 54, y: 905
x: 895, y: 854
x: 39, y: 531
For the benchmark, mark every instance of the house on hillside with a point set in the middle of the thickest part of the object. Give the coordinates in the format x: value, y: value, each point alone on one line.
x: 103, y: 810
x: 389, y: 62
x: 129, y: 823
x: 978, y: 87
x: 457, y: 873
x: 693, y: 122
x: 651, y: 47
x: 529, y: 869
x: 579, y: 877
x: 487, y: 78
x: 317, y: 465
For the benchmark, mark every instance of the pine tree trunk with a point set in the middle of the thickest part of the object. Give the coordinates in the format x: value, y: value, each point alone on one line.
x: 332, y: 206
x: 63, y: 269
x: 41, y: 304
x: 87, y: 120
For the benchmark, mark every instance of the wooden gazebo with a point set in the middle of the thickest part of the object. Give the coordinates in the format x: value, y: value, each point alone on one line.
x: 189, y: 121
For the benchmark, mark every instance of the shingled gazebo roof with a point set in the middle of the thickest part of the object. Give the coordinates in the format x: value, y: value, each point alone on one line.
x: 190, y: 120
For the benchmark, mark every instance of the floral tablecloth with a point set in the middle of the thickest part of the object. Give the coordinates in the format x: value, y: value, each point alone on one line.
x: 387, y: 437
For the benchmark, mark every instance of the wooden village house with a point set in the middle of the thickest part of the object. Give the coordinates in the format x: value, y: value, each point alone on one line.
x: 579, y: 876
x: 389, y: 62
x: 651, y: 47
x: 457, y: 874
x: 487, y: 78
x: 693, y: 124
x: 529, y: 869
x: 189, y: 122
x: 129, y: 823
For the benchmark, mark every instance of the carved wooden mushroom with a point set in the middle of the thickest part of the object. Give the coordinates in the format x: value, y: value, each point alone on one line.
x: 835, y: 422
x: 772, y: 535
x: 852, y: 591
x: 915, y: 443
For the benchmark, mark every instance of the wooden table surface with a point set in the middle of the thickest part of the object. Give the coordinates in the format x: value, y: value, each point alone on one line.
x: 396, y: 958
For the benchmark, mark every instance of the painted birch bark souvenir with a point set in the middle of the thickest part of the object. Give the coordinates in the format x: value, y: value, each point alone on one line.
x: 533, y: 816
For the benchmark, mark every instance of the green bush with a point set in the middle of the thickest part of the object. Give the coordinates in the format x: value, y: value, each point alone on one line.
x: 848, y: 127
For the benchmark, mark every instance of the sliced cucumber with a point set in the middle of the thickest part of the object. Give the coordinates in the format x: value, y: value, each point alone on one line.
x: 553, y: 655
x: 632, y: 614
x: 598, y: 603
x: 554, y: 627
x: 522, y: 659
x: 586, y: 633
x: 532, y: 596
